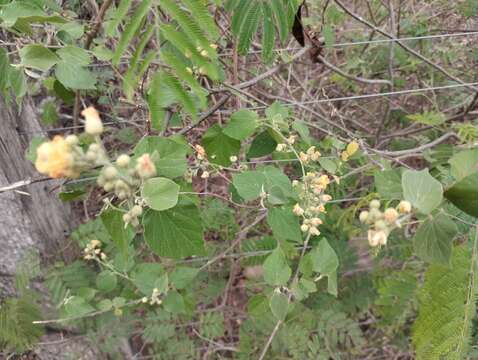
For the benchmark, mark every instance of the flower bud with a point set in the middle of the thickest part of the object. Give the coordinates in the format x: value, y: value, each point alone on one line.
x: 316, y: 221
x: 297, y: 210
x: 71, y: 140
x: 390, y: 215
x: 314, y: 231
x: 205, y: 175
x: 136, y: 210
x: 375, y: 204
x: 374, y: 214
x: 123, y: 160
x: 304, y: 228
x: 122, y: 195
x: 109, y: 186
x: 281, y: 147
x: 95, y: 243
x: 376, y: 238
x: 110, y: 173
x: 101, y: 181
x: 145, y: 166
x: 363, y: 217
x: 404, y: 207
x: 380, y: 225
x: 126, y: 218
x: 93, y: 124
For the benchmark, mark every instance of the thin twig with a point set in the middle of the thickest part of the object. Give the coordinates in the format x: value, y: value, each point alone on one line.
x: 403, y: 46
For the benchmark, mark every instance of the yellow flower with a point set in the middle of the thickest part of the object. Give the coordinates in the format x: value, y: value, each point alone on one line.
x: 352, y: 148
x: 145, y: 166
x: 323, y: 181
x: 344, y: 156
x: 54, y: 158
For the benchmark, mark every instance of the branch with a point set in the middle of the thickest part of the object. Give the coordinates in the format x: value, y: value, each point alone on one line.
x: 417, y: 149
x: 351, y: 77
x: 241, y: 86
x: 403, y: 46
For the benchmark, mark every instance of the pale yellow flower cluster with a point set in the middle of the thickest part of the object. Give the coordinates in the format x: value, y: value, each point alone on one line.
x: 382, y: 223
x: 55, y: 158
x: 93, y: 251
x: 313, y: 201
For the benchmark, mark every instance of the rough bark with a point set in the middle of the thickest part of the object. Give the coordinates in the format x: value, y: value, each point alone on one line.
x: 32, y: 217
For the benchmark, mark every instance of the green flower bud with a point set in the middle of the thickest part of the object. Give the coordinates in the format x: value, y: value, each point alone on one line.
x: 110, y: 172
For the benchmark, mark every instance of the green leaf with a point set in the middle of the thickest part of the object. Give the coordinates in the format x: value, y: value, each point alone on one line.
x: 175, y: 233
x: 389, y: 184
x: 434, y: 238
x: 189, y: 25
x: 105, y: 305
x: 102, y: 53
x: 249, y: 184
x: 204, y: 19
x: 18, y: 82
x: 146, y: 276
x: 75, y: 77
x: 171, y: 161
x: 272, y: 180
x: 174, y: 303
x: 447, y: 308
x: 464, y: 194
x: 268, y: 32
x: 280, y: 14
x: 118, y: 16
x: 276, y: 269
x: 284, y: 224
x: 219, y: 147
x: 279, y: 304
x: 242, y: 124
x: 428, y: 118
x: 324, y: 260
x: 182, y: 276
x: 114, y: 224
x: 263, y: 144
x: 248, y: 29
x: 74, y: 55
x: 181, y: 95
x: 38, y: 57
x: 130, y: 29
x: 106, y: 281
x: 464, y: 163
x: 160, y: 193
x: 77, y: 306
x: 4, y: 69
x: 329, y: 35
x: 49, y: 115
x: 422, y: 190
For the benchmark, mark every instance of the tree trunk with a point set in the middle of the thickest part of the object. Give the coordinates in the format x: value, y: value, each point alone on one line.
x: 31, y: 217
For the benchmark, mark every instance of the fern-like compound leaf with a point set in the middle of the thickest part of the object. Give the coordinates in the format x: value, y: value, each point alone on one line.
x: 447, y: 305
